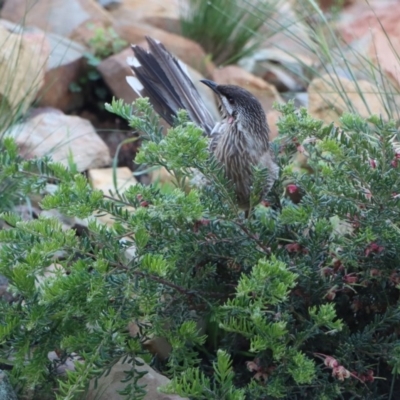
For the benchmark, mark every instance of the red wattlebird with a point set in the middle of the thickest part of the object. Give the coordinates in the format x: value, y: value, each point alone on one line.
x: 239, y: 141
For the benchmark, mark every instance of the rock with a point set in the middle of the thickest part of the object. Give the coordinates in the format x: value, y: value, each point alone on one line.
x: 108, y: 386
x: 168, y: 181
x: 272, y: 118
x: 66, y: 222
x: 103, y: 179
x: 286, y: 56
x: 6, y: 390
x: 233, y: 75
x: 358, y: 20
x: 328, y: 4
x: 190, y: 52
x: 114, y: 71
x: 374, y: 27
x: 286, y: 71
x: 159, y: 14
x: 27, y: 211
x: 64, y: 68
x: 5, y: 295
x: 162, y: 177
x: 290, y: 35
x: 384, y: 53
x: 62, y: 61
x: 47, y: 276
x: 65, y: 365
x: 22, y: 65
x: 56, y: 16
x: 58, y: 135
x: 301, y: 99
x: 85, y: 33
x: 329, y: 98
x: 110, y: 4
x: 130, y: 251
x: 158, y: 346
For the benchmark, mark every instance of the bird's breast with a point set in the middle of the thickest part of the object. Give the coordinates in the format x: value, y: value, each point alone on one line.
x: 238, y: 153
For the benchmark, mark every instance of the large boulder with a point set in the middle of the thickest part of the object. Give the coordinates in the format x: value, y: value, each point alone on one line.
x: 56, y: 16
x: 65, y: 67
x: 330, y: 97
x: 52, y: 133
x: 23, y: 60
x: 190, y: 52
x: 62, y: 62
x: 160, y: 14
x: 375, y: 29
x: 6, y: 390
x: 108, y: 386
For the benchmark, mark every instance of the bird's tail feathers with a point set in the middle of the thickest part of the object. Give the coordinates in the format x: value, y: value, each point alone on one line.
x: 165, y: 81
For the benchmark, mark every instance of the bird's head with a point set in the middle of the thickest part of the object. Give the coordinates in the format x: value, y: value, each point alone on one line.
x: 237, y: 105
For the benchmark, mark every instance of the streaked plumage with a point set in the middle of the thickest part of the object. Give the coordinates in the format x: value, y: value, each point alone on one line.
x: 239, y: 141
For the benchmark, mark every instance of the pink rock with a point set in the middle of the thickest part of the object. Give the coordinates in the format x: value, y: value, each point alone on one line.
x: 23, y: 61
x: 57, y: 16
x: 378, y: 26
x: 61, y: 136
x: 188, y: 51
x: 160, y: 14
x: 233, y: 75
x: 114, y: 71
x: 64, y: 68
x: 358, y: 20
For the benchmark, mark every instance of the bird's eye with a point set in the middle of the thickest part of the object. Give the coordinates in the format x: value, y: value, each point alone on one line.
x: 231, y: 100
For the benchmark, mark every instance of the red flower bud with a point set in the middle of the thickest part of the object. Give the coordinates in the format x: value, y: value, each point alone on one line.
x: 341, y: 373
x: 293, y: 248
x: 337, y: 265
x: 394, y: 163
x: 331, y: 362
x: 372, y: 163
x: 370, y: 376
x: 296, y: 248
x: 252, y: 366
x: 331, y: 293
x: 350, y: 279
x: 144, y: 203
x: 326, y: 271
x: 373, y: 248
x: 292, y: 189
x: 375, y: 272
x: 356, y: 305
x: 394, y: 278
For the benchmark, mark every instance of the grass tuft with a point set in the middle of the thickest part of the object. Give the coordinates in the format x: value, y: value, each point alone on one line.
x: 226, y: 29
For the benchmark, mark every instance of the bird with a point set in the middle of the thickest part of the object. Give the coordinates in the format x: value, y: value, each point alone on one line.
x: 239, y: 140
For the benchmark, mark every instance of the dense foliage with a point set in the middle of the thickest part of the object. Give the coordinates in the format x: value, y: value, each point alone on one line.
x: 299, y: 301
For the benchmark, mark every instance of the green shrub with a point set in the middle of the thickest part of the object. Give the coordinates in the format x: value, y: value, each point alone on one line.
x: 300, y: 301
x: 19, y: 179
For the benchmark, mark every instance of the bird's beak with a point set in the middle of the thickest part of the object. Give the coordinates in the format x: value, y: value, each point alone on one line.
x: 212, y: 85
